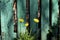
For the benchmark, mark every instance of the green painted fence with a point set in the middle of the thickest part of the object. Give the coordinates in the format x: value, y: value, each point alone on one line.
x: 21, y: 13
x: 44, y: 19
x: 7, y: 28
x: 7, y: 24
x: 33, y: 15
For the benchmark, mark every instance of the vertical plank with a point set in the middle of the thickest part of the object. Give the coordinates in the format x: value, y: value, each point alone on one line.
x: 44, y: 19
x: 7, y: 29
x: 33, y: 14
x: 21, y: 13
x: 55, y: 12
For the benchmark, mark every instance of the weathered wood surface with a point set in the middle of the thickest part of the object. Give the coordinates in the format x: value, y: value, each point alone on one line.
x: 44, y: 19
x: 7, y: 28
x: 34, y: 14
x: 21, y: 13
x: 55, y: 11
x: 6, y: 10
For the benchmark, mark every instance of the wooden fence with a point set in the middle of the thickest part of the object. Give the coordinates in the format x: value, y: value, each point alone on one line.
x: 18, y: 17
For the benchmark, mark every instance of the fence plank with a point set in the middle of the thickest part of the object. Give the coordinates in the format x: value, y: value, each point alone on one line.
x: 7, y: 28
x: 55, y: 13
x: 44, y: 19
x: 33, y: 14
x: 21, y: 13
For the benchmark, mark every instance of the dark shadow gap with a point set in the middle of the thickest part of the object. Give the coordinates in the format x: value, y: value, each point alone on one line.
x: 15, y: 16
x: 28, y: 13
x: 58, y: 37
x: 15, y: 19
x: 39, y: 17
x: 50, y: 13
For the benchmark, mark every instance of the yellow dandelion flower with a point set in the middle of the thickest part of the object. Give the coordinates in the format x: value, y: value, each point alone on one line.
x: 36, y: 20
x: 21, y: 20
x: 27, y: 24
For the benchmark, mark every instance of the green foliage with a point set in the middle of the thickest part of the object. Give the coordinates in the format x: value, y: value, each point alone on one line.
x: 26, y: 36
